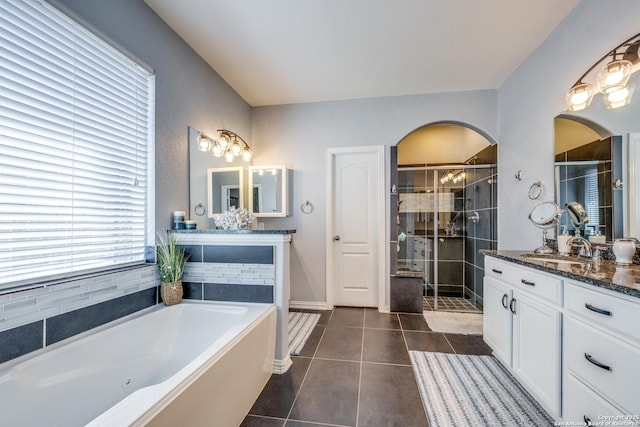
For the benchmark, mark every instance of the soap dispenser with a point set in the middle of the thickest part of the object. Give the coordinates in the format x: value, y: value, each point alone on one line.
x: 563, y: 241
x: 597, y: 237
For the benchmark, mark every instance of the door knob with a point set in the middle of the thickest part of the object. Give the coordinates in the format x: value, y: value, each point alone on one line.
x: 336, y: 238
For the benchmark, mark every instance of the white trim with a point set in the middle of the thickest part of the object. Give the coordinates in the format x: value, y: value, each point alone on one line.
x: 379, y: 150
x: 633, y: 212
x: 309, y: 305
x: 280, y: 366
x: 284, y: 192
x: 210, y: 189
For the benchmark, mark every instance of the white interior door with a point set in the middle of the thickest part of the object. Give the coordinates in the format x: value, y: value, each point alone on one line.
x: 356, y: 199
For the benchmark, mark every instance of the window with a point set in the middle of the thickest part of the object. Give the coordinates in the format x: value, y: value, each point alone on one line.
x: 76, y: 129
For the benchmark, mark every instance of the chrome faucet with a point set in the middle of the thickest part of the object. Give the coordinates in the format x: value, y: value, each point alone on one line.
x: 586, y: 248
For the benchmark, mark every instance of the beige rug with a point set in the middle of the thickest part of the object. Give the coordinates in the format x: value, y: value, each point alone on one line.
x: 454, y: 323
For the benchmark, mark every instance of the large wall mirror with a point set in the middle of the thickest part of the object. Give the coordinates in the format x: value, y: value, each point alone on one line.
x: 268, y: 194
x: 589, y: 170
x: 598, y: 156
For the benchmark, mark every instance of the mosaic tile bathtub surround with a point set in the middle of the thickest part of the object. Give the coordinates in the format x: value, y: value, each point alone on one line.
x: 65, y: 309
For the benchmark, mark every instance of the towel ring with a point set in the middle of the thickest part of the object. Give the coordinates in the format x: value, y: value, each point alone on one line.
x: 306, y: 207
x: 536, y: 190
x: 199, y: 209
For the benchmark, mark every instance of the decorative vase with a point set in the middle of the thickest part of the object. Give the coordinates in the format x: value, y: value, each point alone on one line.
x: 171, y: 292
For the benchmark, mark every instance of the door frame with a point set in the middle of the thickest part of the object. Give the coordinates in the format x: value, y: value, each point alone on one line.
x: 379, y: 151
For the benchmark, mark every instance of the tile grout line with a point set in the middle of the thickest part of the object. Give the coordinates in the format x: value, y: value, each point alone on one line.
x: 449, y: 342
x: 364, y: 319
x: 308, y: 368
x: 406, y: 344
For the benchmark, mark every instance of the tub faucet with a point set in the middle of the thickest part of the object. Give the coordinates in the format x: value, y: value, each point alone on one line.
x: 586, y: 249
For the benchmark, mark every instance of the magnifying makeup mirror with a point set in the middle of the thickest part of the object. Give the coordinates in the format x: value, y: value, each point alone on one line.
x: 577, y: 215
x: 545, y: 215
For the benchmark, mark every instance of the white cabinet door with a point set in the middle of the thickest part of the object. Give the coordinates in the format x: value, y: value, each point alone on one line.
x: 536, y: 348
x: 497, y: 318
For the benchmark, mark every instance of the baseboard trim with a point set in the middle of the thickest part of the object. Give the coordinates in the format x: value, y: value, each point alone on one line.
x: 384, y: 309
x: 309, y: 305
x: 282, y: 366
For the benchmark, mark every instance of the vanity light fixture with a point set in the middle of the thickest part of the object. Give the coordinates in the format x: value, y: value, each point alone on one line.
x: 453, y: 176
x: 228, y: 145
x: 612, y: 81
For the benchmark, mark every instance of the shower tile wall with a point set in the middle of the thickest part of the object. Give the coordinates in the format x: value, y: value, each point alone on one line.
x: 480, y: 196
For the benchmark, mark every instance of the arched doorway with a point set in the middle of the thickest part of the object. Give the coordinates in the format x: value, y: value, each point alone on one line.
x: 445, y: 210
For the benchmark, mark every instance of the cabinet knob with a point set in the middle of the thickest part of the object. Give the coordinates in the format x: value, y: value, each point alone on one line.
x: 336, y: 238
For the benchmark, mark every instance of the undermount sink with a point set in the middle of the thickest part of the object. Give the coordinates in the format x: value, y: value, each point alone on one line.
x: 553, y: 258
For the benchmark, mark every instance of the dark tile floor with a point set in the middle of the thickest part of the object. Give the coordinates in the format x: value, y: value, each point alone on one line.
x: 355, y: 371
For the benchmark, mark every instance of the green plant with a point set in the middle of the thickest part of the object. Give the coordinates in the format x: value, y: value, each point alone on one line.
x: 170, y: 258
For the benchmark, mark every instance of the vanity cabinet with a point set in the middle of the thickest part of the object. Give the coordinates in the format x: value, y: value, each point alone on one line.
x: 523, y: 326
x: 602, y: 354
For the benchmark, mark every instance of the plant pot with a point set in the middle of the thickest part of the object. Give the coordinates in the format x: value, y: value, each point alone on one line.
x: 171, y: 293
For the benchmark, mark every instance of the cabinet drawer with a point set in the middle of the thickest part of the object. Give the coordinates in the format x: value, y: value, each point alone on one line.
x: 498, y: 269
x: 604, y: 309
x: 581, y: 404
x: 607, y: 364
x: 538, y: 284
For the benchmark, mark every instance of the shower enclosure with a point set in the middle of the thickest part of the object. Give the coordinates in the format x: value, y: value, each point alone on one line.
x: 445, y: 215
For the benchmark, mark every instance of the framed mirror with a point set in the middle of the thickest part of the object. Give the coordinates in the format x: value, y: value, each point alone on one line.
x: 268, y: 191
x: 225, y: 189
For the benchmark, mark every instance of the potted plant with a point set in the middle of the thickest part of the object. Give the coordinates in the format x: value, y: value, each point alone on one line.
x: 171, y: 260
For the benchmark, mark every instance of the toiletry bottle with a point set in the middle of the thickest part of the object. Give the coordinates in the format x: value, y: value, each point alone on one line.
x: 563, y: 240
x: 597, y: 237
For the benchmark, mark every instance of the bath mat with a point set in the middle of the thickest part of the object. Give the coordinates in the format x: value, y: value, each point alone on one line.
x: 300, y: 327
x: 454, y: 323
x: 465, y: 390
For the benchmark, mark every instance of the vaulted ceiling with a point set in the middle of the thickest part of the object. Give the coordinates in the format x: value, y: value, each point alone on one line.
x: 297, y: 51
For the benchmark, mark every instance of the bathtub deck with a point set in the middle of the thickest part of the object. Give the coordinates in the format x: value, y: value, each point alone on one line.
x: 343, y: 375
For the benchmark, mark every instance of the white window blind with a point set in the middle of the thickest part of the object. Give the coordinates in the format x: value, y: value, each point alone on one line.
x: 591, y: 197
x: 76, y: 122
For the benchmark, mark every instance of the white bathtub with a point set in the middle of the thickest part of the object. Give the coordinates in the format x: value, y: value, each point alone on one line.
x: 187, y: 364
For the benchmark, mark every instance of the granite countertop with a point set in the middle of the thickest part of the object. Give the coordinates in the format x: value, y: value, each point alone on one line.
x: 604, y: 274
x: 235, y: 231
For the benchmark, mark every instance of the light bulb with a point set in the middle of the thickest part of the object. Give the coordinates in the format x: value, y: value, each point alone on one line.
x: 618, y: 98
x: 223, y: 140
x: 614, y: 76
x: 203, y: 143
x: 217, y: 150
x: 246, y: 155
x: 228, y: 156
x: 236, y: 149
x: 579, y: 97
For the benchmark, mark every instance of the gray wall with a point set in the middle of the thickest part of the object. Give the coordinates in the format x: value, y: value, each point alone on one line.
x: 188, y: 92
x: 534, y: 94
x: 299, y: 136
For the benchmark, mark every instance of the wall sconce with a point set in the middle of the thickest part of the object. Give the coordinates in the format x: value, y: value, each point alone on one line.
x: 612, y: 81
x: 228, y: 145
